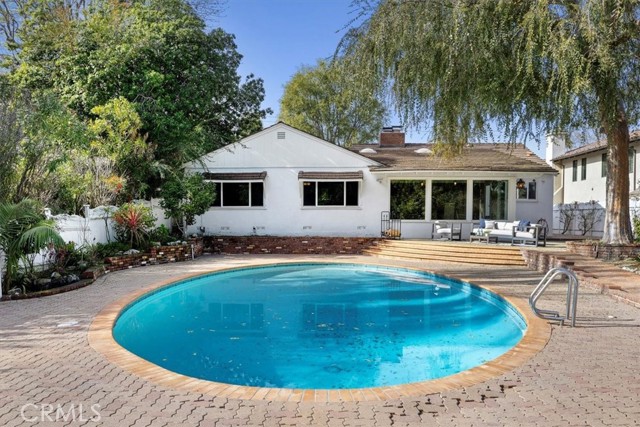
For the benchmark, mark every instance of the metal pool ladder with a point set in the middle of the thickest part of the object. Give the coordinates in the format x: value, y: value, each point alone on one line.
x: 572, y: 296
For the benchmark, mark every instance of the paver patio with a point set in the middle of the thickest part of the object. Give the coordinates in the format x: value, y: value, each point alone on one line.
x: 589, y: 375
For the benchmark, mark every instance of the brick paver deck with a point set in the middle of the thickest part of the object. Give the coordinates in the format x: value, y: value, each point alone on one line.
x: 589, y: 375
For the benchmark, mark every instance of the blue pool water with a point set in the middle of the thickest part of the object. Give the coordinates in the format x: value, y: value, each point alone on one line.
x: 319, y: 326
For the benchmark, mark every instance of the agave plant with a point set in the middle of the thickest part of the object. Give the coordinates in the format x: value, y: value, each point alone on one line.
x: 23, y: 231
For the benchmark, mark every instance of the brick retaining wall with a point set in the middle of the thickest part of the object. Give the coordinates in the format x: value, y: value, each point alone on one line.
x: 288, y: 245
x: 605, y: 252
x: 156, y: 255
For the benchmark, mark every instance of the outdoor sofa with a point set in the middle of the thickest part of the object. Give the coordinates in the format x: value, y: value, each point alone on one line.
x: 516, y: 232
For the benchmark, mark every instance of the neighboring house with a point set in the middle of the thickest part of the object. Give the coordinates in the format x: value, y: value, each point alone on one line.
x: 583, y: 170
x: 284, y: 182
x: 582, y: 182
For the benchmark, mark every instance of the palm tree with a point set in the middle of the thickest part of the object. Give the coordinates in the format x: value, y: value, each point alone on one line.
x: 23, y: 231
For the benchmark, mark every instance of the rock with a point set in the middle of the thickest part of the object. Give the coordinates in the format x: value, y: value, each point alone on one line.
x: 15, y: 291
x: 131, y: 252
x: 71, y: 278
x: 56, y: 276
x: 44, y: 283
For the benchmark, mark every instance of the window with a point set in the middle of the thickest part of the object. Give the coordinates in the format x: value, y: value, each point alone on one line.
x: 239, y: 194
x: 448, y: 200
x: 528, y: 192
x: 408, y: 199
x: 575, y: 171
x: 583, y: 170
x: 330, y: 193
x: 490, y: 199
x: 604, y: 165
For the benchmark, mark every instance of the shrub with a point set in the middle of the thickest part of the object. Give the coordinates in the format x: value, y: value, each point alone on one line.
x: 105, y: 250
x: 161, y: 235
x: 133, y: 223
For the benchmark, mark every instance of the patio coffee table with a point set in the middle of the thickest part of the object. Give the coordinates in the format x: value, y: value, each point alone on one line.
x: 484, y: 237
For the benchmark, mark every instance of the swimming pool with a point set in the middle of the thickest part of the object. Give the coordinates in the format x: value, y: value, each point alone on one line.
x: 319, y: 326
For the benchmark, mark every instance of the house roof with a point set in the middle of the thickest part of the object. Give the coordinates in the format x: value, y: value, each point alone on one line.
x: 476, y: 157
x: 593, y: 147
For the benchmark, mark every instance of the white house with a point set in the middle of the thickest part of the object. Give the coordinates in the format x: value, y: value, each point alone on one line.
x: 583, y: 170
x: 582, y: 180
x: 284, y: 182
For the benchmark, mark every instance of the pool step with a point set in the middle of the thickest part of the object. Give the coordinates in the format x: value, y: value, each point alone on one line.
x: 463, y: 252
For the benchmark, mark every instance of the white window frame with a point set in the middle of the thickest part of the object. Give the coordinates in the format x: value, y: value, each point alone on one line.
x: 527, y: 182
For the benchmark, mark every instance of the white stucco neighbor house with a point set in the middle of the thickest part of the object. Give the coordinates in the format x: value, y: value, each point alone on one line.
x: 582, y: 180
x: 284, y: 182
x: 583, y: 171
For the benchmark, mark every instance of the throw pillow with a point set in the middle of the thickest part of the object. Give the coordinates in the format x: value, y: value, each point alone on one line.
x: 482, y: 224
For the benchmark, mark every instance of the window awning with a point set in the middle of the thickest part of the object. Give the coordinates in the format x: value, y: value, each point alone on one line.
x: 331, y: 175
x: 240, y: 176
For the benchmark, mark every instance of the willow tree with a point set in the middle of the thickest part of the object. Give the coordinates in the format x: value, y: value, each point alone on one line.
x: 332, y: 104
x: 466, y: 67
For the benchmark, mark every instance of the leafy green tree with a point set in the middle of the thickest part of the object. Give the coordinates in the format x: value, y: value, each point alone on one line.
x: 182, y: 81
x: 543, y: 65
x: 48, y: 135
x: 185, y: 197
x: 23, y: 231
x: 332, y: 103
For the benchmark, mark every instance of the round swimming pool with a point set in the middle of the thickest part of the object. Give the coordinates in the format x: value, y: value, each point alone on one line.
x: 323, y: 326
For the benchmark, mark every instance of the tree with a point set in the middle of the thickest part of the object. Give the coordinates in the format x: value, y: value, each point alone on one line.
x: 182, y: 81
x: 23, y: 231
x: 523, y: 67
x: 333, y: 104
x: 185, y: 197
x: 152, y: 59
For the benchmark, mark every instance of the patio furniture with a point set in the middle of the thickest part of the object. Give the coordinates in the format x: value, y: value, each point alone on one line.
x: 516, y: 232
x: 483, y: 236
x: 446, y: 231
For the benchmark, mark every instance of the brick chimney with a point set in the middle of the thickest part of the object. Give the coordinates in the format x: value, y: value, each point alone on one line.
x: 392, y: 136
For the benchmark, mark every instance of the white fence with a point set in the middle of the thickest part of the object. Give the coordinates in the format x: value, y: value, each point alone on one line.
x: 584, y: 219
x: 96, y: 226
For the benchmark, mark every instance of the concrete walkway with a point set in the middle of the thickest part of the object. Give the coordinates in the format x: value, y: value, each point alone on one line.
x: 589, y: 375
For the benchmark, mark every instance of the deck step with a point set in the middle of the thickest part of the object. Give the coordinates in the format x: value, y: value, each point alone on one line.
x: 469, y: 253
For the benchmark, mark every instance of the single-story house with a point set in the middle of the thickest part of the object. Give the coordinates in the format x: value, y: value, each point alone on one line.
x: 284, y: 182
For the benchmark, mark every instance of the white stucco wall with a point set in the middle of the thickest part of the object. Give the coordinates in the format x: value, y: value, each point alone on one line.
x: 594, y: 186
x: 542, y: 207
x: 283, y: 213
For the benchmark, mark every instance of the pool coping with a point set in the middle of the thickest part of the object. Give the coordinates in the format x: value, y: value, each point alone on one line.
x: 100, y: 337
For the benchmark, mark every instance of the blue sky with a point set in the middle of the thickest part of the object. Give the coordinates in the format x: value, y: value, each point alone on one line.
x: 277, y: 37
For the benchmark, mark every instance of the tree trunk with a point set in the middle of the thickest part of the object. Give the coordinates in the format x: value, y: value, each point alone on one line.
x: 617, y: 223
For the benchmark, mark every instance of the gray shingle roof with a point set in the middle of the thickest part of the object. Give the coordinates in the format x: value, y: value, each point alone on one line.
x: 476, y: 157
x: 593, y: 147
